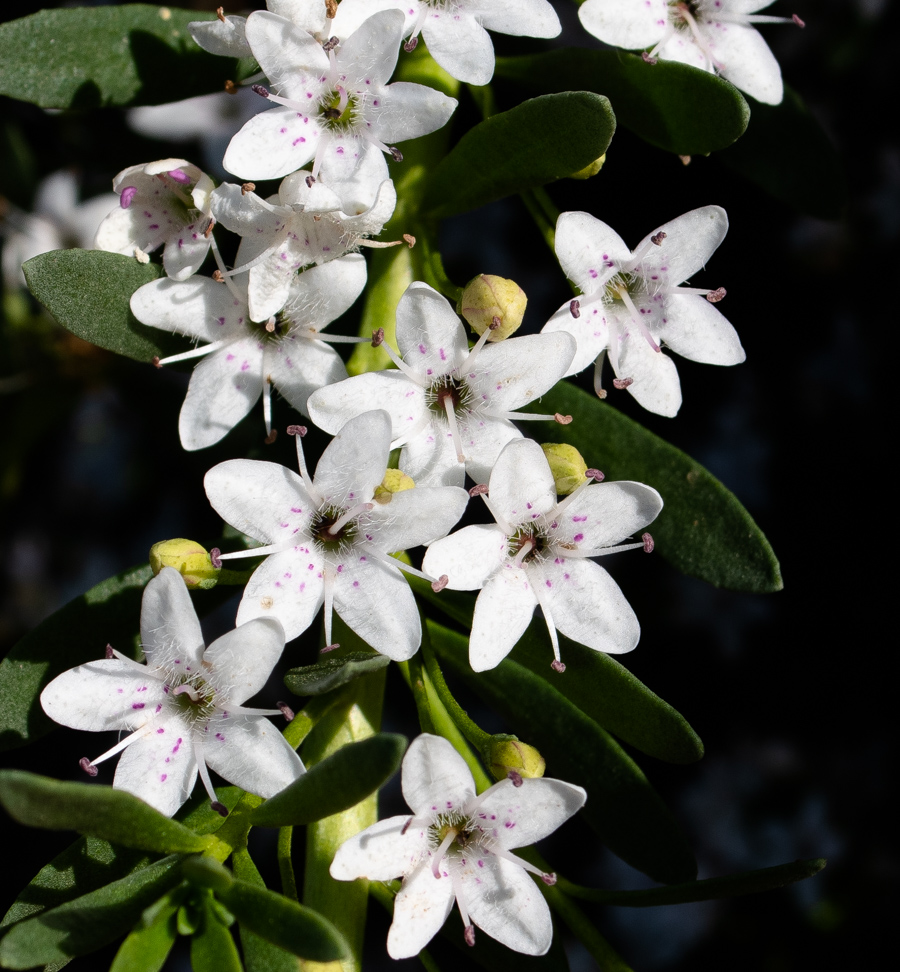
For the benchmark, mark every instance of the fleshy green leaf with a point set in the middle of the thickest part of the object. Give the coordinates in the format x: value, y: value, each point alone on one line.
x: 136, y: 54
x: 147, y: 947
x: 89, y: 293
x: 332, y: 673
x: 703, y: 530
x: 670, y: 105
x: 79, y: 632
x: 88, y: 922
x: 335, y: 784
x: 96, y: 811
x: 285, y: 923
x: 622, y: 806
x: 212, y: 947
x: 259, y: 955
x: 786, y: 152
x: 537, y: 142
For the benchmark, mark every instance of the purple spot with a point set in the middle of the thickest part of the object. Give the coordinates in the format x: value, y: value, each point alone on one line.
x: 138, y: 705
x: 163, y: 778
x: 154, y: 226
x: 356, y: 583
x: 480, y: 863
x: 177, y: 745
x: 159, y: 732
x: 578, y: 537
x: 578, y: 519
x: 421, y: 349
x: 548, y: 583
x: 220, y: 737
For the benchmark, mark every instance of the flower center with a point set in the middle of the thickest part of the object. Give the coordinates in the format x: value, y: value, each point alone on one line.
x: 192, y: 697
x: 339, y: 108
x: 335, y: 528
x: 450, y: 392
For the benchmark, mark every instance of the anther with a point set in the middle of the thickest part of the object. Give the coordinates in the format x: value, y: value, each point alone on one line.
x: 798, y: 21
x: 621, y: 383
x: 247, y: 187
x: 88, y: 766
x: 156, y: 362
x: 296, y: 430
x: 331, y: 9
x: 562, y: 419
x: 109, y: 652
x: 480, y: 490
x: 714, y: 296
x: 411, y: 45
x: 331, y: 44
x: 309, y: 181
x: 469, y: 935
x: 260, y: 89
x: 126, y: 196
x: 218, y: 276
x: 140, y: 255
x: 406, y: 826
x: 231, y: 88
x: 549, y: 879
x: 647, y: 59
x: 271, y: 437
x: 270, y: 325
x: 209, y: 228
x: 220, y: 13
x: 286, y: 711
x: 396, y: 154
x: 648, y: 542
x: 378, y: 337
x: 515, y: 777
x: 575, y: 308
x: 685, y: 159
x: 214, y: 557
x: 327, y: 648
x: 594, y: 474
x: 438, y: 585
x: 495, y: 323
x: 657, y: 240
x: 409, y: 239
x: 220, y: 808
x: 558, y: 666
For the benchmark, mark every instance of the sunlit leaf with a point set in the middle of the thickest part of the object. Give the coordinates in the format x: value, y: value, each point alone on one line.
x: 147, y: 947
x: 259, y: 954
x: 331, y: 673
x: 212, y: 946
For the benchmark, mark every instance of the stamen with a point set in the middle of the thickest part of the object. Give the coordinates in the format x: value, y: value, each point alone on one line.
x: 645, y: 56
x: 409, y: 240
x: 88, y: 766
x: 256, y: 551
x: 331, y: 647
x: 340, y: 523
x: 599, y: 390
x: 714, y: 296
x: 215, y: 557
x: 625, y: 297
x: 122, y: 744
x: 498, y: 517
x: 798, y: 21
x: 685, y: 159
x: 328, y: 592
x: 247, y: 187
x: 515, y: 777
x: 524, y: 551
x: 260, y: 89
x: 685, y: 13
x: 438, y: 585
x: 536, y: 581
x: 220, y: 808
x: 657, y: 240
x: 110, y: 651
x: 594, y: 474
x: 231, y: 88
x: 621, y: 383
x: 575, y: 308
x: 188, y: 355
x: 267, y: 404
x: 454, y: 428
x: 557, y: 666
x: 299, y: 431
x: 648, y: 542
x: 479, y: 344
x: 452, y: 834
x: 127, y: 196
x: 525, y: 865
x: 479, y: 490
x: 220, y: 13
x: 392, y: 354
x: 411, y: 45
x: 378, y: 337
x: 330, y: 44
x: 469, y: 934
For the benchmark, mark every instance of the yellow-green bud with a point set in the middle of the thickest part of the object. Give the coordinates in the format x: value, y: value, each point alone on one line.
x: 394, y: 481
x: 188, y: 558
x: 567, y: 466
x: 589, y: 170
x: 488, y: 301
x: 514, y: 759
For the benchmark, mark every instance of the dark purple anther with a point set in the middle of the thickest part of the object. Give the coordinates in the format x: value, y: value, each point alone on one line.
x: 214, y: 558
x: 469, y: 935
x: 714, y: 296
x: 411, y: 45
x: 657, y: 240
x: 260, y: 89
x: 575, y: 308
x: 621, y: 383
x: 594, y: 474
x: 109, y: 652
x: 648, y: 542
x: 798, y: 21
x: 396, y: 154
x: 438, y: 585
x: 647, y: 59
x: 309, y: 182
x: 328, y: 648
x: 331, y: 44
x: 128, y: 194
x: 220, y: 808
x: 286, y: 711
x: 377, y: 337
x: 180, y: 176
x: 296, y: 430
x: 479, y: 490
x: 406, y: 826
x: 87, y: 766
x: 549, y: 879
x: 515, y: 777
x: 557, y: 666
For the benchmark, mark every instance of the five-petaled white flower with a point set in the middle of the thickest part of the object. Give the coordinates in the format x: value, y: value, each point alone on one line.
x: 245, y: 358
x: 715, y: 35
x: 301, y: 225
x: 632, y: 304
x: 450, y: 406
x: 183, y: 708
x: 454, y: 30
x: 335, y: 108
x: 165, y: 202
x: 458, y: 846
x: 536, y: 554
x: 328, y: 542
x: 227, y: 36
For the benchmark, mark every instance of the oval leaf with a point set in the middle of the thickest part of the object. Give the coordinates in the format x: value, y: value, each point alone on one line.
x: 285, y: 923
x: 331, y: 673
x: 93, y: 57
x: 335, y: 784
x: 147, y: 947
x: 622, y: 806
x: 88, y: 922
x: 97, y: 811
x: 673, y: 106
x: 703, y: 530
x: 537, y: 142
x: 212, y: 947
x: 89, y: 293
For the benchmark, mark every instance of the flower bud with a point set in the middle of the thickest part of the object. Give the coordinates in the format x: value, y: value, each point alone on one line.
x: 506, y: 756
x: 394, y: 481
x: 589, y: 170
x: 487, y: 300
x: 188, y: 558
x: 567, y: 466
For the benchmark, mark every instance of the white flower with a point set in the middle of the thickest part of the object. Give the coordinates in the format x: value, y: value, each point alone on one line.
x: 299, y: 226
x: 450, y: 407
x: 714, y: 35
x: 454, y: 30
x: 335, y: 108
x: 183, y: 708
x: 632, y: 304
x: 165, y: 202
x: 227, y: 36
x: 57, y: 221
x: 536, y: 554
x: 458, y: 846
x: 246, y: 359
x: 328, y: 542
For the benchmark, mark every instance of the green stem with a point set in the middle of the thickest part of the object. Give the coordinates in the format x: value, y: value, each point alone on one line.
x: 414, y: 676
x: 303, y: 722
x: 546, y: 228
x: 547, y: 205
x: 433, y: 266
x: 474, y: 733
x: 285, y: 864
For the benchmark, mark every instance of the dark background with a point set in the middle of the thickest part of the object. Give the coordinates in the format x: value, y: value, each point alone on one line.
x: 789, y: 691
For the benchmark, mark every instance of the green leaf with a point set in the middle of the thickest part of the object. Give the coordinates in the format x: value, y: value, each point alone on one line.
x: 88, y: 922
x: 213, y: 948
x: 331, y: 673
x: 673, y: 106
x: 89, y: 293
x: 703, y: 530
x: 147, y: 947
x: 786, y: 152
x: 96, y: 811
x: 77, y: 633
x: 336, y: 783
x: 136, y: 54
x: 285, y: 923
x: 622, y: 806
x: 259, y: 955
x: 537, y: 142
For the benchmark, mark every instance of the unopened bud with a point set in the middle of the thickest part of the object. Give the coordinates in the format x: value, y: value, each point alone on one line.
x: 566, y: 464
x: 190, y: 560
x: 589, y: 170
x: 488, y: 299
x: 394, y: 481
x: 509, y: 758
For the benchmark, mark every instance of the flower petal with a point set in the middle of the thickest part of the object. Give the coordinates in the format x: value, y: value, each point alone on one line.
x: 625, y: 23
x: 420, y: 910
x: 430, y: 336
x: 458, y: 42
x: 434, y: 777
x: 288, y: 586
x: 332, y: 407
x: 226, y: 38
x: 516, y: 371
x: 468, y: 557
x: 274, y: 142
x: 696, y: 330
x: 242, y: 660
x: 655, y: 378
x: 186, y: 250
x: 516, y: 816
x: 604, y: 514
x: 587, y: 249
x: 170, y: 631
x: 251, y: 753
x: 199, y: 308
x: 521, y: 18
x: 368, y: 56
x: 590, y: 331
x: 522, y: 487
x: 483, y: 439
x: 381, y: 852
x: 287, y: 54
x: 747, y: 62
x: 299, y: 366
x: 691, y: 239
x: 417, y: 516
x: 160, y: 768
x: 429, y: 457
x: 502, y: 613
x: 354, y: 462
